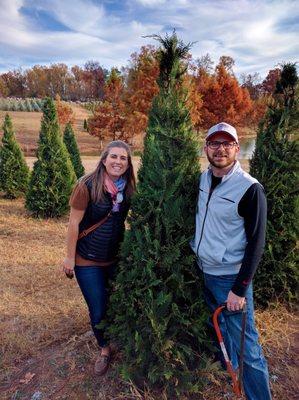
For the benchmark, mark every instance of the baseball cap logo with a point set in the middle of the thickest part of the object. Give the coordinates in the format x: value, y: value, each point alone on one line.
x: 222, y: 127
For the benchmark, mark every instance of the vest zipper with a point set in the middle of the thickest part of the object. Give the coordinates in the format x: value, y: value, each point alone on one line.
x: 204, y: 220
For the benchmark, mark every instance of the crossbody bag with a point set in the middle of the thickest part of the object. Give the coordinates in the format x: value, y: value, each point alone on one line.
x: 93, y: 227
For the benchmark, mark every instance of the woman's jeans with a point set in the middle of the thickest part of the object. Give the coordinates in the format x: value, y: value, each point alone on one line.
x: 255, y: 375
x: 93, y: 282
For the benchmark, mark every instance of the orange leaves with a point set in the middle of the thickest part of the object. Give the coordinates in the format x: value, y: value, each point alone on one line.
x: 109, y: 117
x: 194, y: 100
x: 223, y: 98
x: 141, y: 89
x: 64, y: 111
x: 124, y: 113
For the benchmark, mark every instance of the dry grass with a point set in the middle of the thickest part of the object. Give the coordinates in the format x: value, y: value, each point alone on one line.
x: 38, y: 306
x: 44, y: 325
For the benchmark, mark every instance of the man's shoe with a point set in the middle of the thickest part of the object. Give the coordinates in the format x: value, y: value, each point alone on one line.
x: 102, y: 364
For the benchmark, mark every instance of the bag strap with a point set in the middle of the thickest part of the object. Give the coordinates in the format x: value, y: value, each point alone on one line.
x: 93, y: 227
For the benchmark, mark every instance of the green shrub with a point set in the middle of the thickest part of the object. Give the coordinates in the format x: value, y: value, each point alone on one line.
x: 156, y: 312
x: 72, y: 147
x: 14, y: 173
x: 275, y: 164
x: 53, y: 175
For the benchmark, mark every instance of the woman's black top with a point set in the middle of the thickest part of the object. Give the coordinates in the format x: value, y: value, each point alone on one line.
x: 102, y: 244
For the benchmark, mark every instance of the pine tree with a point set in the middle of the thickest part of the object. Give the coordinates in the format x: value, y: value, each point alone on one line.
x: 156, y: 312
x: 85, y: 126
x: 14, y: 173
x: 53, y: 175
x: 275, y: 164
x: 72, y: 147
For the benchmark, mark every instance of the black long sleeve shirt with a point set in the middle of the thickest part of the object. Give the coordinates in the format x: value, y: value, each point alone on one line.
x: 253, y: 208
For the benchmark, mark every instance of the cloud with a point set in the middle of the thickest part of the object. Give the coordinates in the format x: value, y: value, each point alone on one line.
x: 257, y: 34
x: 151, y: 3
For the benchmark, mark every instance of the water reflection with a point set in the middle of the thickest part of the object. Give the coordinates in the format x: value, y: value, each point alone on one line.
x: 247, y: 146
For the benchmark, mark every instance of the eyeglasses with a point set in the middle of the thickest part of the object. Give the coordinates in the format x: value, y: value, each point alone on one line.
x: 215, y: 144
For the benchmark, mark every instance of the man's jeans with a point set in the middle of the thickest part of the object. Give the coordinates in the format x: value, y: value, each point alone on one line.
x: 93, y: 282
x: 255, y: 375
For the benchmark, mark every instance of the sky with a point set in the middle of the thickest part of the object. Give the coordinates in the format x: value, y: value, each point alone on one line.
x: 257, y: 34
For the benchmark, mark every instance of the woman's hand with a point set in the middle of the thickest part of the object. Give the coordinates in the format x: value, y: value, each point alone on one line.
x: 71, y: 241
x: 68, y: 267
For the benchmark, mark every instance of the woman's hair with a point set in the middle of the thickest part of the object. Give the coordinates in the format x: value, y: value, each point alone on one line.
x: 97, y: 176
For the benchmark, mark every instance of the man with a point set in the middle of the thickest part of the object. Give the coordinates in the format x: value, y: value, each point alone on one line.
x: 229, y: 242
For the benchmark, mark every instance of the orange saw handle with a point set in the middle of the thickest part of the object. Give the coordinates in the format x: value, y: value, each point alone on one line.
x: 229, y: 367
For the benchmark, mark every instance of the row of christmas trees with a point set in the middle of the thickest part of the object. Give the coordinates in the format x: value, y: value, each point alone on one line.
x: 58, y: 164
x: 157, y: 313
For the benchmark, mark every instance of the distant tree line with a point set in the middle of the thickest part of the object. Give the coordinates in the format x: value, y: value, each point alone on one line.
x: 120, y: 100
x: 73, y: 83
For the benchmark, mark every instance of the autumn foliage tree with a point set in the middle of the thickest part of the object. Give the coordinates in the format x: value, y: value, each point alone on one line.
x: 65, y: 113
x: 194, y: 100
x: 109, y: 117
x: 268, y: 85
x: 128, y: 99
x: 74, y: 83
x: 222, y: 96
x: 141, y: 87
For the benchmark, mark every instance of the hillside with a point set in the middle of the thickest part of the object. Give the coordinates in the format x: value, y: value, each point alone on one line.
x: 27, y: 126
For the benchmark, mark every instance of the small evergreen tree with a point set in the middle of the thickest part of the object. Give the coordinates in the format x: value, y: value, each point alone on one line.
x: 85, y: 126
x: 156, y: 312
x: 53, y: 175
x: 275, y: 164
x: 14, y: 173
x: 72, y: 147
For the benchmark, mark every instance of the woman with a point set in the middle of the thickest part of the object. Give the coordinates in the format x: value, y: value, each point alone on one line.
x: 100, y: 201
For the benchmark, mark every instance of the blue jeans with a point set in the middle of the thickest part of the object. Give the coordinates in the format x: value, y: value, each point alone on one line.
x: 255, y: 375
x: 93, y: 282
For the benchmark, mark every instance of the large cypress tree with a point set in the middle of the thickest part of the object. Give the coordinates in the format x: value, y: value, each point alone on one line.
x: 53, y: 175
x: 275, y: 164
x: 14, y: 173
x: 72, y: 147
x: 156, y: 312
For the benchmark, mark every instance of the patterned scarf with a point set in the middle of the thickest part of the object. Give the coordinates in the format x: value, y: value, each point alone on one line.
x: 116, y: 189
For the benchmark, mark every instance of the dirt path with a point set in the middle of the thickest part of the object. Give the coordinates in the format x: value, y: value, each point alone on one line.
x: 62, y: 371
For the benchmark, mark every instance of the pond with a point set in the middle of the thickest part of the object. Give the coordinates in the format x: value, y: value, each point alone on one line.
x: 247, y: 146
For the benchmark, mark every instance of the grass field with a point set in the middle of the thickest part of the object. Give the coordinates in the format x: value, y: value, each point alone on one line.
x: 27, y: 126
x: 47, y: 348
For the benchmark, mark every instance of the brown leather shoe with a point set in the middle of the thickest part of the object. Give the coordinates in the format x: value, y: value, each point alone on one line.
x: 113, y: 348
x: 102, y: 364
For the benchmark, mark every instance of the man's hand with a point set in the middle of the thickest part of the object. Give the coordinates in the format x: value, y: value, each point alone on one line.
x: 234, y: 302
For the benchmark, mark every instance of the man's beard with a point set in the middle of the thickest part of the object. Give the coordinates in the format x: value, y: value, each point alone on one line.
x: 224, y: 163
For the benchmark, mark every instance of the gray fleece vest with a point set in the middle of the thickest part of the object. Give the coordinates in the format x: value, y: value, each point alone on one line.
x: 220, y: 238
